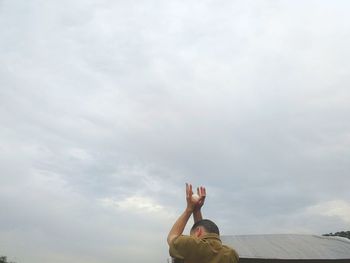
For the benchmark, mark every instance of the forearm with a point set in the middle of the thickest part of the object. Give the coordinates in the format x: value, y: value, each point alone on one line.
x: 197, y: 215
x: 179, y: 225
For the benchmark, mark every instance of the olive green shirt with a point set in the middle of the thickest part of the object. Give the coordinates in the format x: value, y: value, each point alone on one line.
x: 206, y: 249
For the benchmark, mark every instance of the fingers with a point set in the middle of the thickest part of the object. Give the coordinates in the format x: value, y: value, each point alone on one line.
x: 201, y: 191
x: 202, y: 194
x: 188, y: 190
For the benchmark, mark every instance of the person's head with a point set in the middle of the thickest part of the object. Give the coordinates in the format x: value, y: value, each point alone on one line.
x: 204, y: 226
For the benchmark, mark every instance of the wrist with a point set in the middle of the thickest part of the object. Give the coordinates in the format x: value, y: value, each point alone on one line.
x: 197, y: 209
x: 189, y: 210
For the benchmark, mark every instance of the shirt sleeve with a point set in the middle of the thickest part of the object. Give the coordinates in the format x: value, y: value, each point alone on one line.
x: 182, y: 246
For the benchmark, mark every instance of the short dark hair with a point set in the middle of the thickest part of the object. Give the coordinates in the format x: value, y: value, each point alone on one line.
x: 208, y: 225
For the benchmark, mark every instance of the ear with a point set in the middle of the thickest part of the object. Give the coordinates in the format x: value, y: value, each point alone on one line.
x: 199, y: 231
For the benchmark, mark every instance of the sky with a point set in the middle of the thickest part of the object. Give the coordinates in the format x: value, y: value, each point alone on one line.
x: 108, y: 108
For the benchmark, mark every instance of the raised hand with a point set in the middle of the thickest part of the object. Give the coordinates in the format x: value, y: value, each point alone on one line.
x: 191, y: 201
x: 201, y: 192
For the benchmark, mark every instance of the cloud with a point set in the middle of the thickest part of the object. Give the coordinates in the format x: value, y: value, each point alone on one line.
x: 134, y: 204
x: 108, y: 108
x: 335, y: 208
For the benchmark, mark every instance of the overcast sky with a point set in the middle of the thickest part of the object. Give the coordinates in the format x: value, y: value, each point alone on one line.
x: 108, y: 107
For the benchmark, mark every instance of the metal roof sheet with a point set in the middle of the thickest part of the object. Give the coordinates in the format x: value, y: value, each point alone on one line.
x: 289, y: 246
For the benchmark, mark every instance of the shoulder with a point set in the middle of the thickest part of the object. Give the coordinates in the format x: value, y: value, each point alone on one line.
x: 231, y: 253
x: 182, y: 246
x: 185, y: 240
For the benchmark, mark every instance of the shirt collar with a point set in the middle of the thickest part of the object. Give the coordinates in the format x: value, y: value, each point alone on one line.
x: 211, y: 236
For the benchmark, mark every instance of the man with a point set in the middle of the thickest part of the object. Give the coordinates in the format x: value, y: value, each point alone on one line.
x: 203, y: 245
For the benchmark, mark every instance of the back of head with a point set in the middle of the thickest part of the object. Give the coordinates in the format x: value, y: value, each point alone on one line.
x: 208, y: 225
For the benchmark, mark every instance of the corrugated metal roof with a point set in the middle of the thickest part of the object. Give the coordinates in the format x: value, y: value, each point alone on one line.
x: 289, y: 246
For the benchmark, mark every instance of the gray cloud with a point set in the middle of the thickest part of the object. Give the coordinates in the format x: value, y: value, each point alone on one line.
x: 108, y: 108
